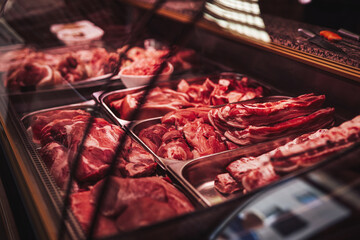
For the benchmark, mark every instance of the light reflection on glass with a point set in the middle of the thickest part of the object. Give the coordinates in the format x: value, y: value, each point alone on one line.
x: 240, y: 16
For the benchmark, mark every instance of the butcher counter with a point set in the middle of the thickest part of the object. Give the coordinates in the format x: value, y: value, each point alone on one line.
x: 181, y: 162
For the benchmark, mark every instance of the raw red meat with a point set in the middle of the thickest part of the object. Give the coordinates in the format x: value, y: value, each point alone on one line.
x: 224, y: 183
x: 38, y: 121
x: 229, y: 90
x: 203, y: 138
x: 316, y: 146
x: 183, y: 134
x: 83, y: 211
x: 43, y: 69
x: 163, y: 100
x: 225, y: 91
x: 259, y: 177
x: 241, y: 116
x: 166, y: 142
x: 72, y: 69
x: 136, y: 161
x: 175, y: 149
x: 253, y: 134
x: 142, y: 212
x: 145, y: 66
x: 55, y: 157
x: 152, y: 136
x: 31, y: 74
x: 306, y: 150
x: 196, y: 92
x: 126, y: 191
x: 98, y: 149
x: 159, y: 102
x: 181, y: 117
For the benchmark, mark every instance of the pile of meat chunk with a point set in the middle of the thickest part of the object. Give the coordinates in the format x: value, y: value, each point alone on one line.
x: 194, y: 132
x: 36, y: 69
x: 249, y: 173
x: 134, y: 187
x: 163, y: 100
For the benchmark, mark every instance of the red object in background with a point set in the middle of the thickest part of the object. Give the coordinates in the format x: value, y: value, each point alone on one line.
x: 334, y: 37
x: 331, y: 36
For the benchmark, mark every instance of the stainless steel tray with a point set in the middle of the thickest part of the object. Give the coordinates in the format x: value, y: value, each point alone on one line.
x: 51, y: 187
x: 198, y: 175
x: 89, y: 82
x: 105, y: 98
x: 142, y: 124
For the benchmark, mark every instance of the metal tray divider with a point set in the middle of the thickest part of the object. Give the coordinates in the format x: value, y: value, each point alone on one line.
x: 175, y: 169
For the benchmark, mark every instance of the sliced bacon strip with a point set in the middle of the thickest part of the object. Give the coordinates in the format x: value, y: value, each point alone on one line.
x: 241, y: 116
x: 306, y: 150
x: 252, y: 134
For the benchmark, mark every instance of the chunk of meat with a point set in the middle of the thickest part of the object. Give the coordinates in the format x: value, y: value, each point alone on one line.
x: 253, y: 134
x: 31, y: 74
x: 143, y: 212
x: 55, y: 157
x: 177, y: 149
x: 181, y: 117
x: 259, y: 177
x: 306, y: 150
x: 83, y: 210
x: 203, y: 138
x: 73, y: 69
x: 174, y: 146
x: 38, y: 121
x: 98, y: 149
x: 158, y: 102
x: 152, y: 136
x: 137, y: 162
x: 241, y: 116
x: 125, y: 191
x: 224, y: 183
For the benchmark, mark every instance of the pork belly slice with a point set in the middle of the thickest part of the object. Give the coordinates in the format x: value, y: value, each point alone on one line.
x: 259, y: 177
x: 125, y: 191
x: 306, y: 150
x: 83, y: 210
x: 248, y: 173
x: 226, y: 184
x: 318, y: 145
x: 240, y: 116
x: 252, y: 134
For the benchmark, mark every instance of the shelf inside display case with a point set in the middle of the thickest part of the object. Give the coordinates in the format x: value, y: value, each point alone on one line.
x: 284, y: 38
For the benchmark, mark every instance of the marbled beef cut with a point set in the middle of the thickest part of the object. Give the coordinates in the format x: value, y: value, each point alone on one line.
x: 136, y: 202
x: 62, y: 137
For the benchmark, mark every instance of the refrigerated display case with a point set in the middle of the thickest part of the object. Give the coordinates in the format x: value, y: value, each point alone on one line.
x: 254, y: 45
